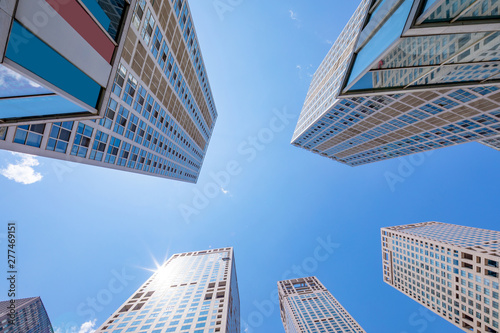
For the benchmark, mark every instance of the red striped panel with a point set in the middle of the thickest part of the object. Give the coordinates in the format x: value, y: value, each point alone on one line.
x: 82, y: 22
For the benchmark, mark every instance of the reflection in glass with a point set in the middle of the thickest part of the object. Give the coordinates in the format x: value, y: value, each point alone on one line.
x: 399, y: 77
x: 430, y: 50
x: 460, y: 73
x: 486, y: 9
x: 108, y: 13
x: 382, y: 40
x: 463, y: 10
x: 377, y: 17
x: 414, y: 57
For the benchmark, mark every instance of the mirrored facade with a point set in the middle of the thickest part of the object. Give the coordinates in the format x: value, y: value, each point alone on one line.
x: 420, y: 75
x: 195, y: 292
x: 450, y: 269
x: 159, y: 114
x: 307, y: 306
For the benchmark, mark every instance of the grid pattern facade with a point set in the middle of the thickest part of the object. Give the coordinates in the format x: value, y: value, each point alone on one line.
x: 31, y: 317
x: 452, y: 270
x: 160, y: 115
x: 194, y: 292
x: 493, y: 143
x: 307, y: 306
x: 373, y: 112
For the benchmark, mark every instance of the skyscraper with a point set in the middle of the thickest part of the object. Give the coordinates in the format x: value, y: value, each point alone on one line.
x: 30, y: 317
x: 450, y: 269
x: 307, y: 306
x: 405, y: 77
x: 159, y: 112
x: 195, y: 292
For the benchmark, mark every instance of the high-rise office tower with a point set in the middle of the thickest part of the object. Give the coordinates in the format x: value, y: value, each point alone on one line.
x: 450, y: 269
x: 405, y: 76
x: 307, y: 306
x: 195, y: 292
x: 30, y: 316
x: 158, y: 110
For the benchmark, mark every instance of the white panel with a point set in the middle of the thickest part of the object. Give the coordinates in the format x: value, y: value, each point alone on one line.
x: 43, y: 21
x: 6, y: 12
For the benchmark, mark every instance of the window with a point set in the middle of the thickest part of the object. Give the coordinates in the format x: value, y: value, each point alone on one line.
x: 130, y: 89
x: 132, y: 127
x: 139, y: 100
x: 109, y: 116
x: 156, y: 42
x: 30, y: 135
x: 147, y: 29
x: 138, y: 13
x: 99, y: 146
x: 3, y: 133
x: 163, y: 55
x: 140, y: 133
x: 133, y: 157
x: 82, y: 140
x: 114, y: 145
x: 148, y: 107
x: 59, y: 136
x: 169, y: 66
x: 121, y: 121
x: 121, y: 73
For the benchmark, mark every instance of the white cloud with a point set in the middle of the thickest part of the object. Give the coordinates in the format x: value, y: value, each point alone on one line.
x: 6, y: 73
x: 293, y: 15
x: 22, y: 171
x: 87, y: 327
x: 224, y: 191
x: 329, y: 42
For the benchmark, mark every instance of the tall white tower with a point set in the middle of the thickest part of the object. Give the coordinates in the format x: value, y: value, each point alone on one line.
x: 195, y: 292
x: 450, y: 269
x: 307, y: 306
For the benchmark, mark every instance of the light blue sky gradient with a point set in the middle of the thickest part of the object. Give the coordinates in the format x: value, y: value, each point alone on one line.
x: 81, y: 226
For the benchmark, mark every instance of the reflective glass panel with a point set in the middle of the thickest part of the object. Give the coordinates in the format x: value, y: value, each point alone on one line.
x: 463, y: 10
x: 382, y: 40
x: 486, y: 9
x: 399, y: 77
x: 431, y: 50
x: 460, y: 73
x: 108, y: 13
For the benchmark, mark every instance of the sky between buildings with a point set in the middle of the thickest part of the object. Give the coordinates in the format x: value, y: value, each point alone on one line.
x: 88, y: 237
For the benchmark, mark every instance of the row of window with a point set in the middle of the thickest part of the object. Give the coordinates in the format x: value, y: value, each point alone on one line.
x: 146, y: 106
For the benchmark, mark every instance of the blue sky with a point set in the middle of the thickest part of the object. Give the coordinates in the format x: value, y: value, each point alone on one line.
x: 88, y: 237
